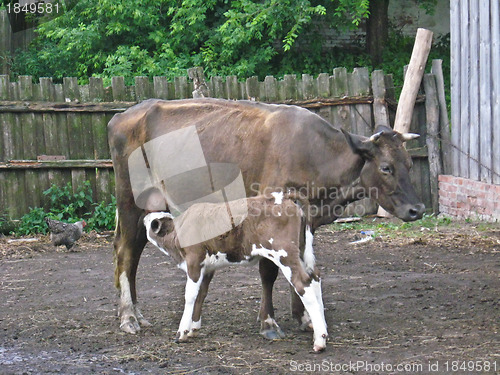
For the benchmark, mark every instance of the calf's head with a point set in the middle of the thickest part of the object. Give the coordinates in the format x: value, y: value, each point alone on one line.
x: 158, y: 226
x: 385, y: 174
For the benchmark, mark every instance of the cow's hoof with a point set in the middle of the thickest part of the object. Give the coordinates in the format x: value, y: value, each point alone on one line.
x: 273, y: 334
x: 142, y: 321
x: 193, y: 332
x: 181, y: 337
x: 320, y: 343
x: 318, y: 348
x: 271, y: 330
x: 130, y: 325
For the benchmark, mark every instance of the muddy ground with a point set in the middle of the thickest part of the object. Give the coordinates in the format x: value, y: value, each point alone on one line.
x: 415, y: 303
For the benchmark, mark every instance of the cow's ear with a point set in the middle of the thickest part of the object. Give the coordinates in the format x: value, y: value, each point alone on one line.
x: 360, y: 145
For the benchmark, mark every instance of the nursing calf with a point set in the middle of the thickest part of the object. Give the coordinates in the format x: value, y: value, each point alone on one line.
x: 275, y: 227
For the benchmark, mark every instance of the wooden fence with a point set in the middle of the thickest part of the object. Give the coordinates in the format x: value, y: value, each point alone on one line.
x: 56, y: 133
x: 475, y: 89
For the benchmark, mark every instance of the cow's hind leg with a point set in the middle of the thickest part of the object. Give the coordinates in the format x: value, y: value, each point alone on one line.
x: 268, y: 326
x: 196, y: 325
x: 128, y: 246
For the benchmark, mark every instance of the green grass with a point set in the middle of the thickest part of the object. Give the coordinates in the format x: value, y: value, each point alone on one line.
x: 383, y: 227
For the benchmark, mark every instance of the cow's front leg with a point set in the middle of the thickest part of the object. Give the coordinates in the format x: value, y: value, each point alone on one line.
x: 196, y: 325
x: 193, y: 284
x: 268, y: 326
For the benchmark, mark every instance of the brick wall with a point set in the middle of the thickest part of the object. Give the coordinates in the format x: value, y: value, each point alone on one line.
x: 464, y: 198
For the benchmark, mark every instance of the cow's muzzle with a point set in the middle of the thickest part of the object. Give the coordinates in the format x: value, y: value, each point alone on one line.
x: 411, y: 212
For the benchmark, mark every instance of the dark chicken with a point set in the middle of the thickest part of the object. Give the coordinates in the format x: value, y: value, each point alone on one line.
x: 64, y: 233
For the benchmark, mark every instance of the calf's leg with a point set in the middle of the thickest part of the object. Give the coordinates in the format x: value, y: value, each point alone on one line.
x: 268, y: 326
x: 298, y: 310
x: 305, y: 286
x: 196, y: 325
x: 195, y: 274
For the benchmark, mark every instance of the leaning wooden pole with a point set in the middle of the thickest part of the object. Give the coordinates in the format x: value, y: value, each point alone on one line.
x: 413, y: 79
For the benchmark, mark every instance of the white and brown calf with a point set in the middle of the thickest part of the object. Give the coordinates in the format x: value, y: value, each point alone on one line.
x: 274, y: 227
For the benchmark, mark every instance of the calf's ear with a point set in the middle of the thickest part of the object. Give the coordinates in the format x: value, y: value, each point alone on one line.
x: 360, y: 145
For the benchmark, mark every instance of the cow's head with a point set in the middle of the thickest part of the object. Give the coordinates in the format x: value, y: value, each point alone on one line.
x: 386, y: 170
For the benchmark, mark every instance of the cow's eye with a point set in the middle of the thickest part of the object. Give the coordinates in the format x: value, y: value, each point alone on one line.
x: 386, y: 169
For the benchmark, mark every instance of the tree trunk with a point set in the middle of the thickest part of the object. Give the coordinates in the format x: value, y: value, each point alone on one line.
x: 377, y: 27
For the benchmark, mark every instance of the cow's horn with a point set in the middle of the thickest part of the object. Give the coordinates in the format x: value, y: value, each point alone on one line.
x: 375, y: 137
x: 409, y: 136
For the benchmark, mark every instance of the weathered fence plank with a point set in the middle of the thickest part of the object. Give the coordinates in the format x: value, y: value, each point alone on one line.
x: 456, y: 87
x: 70, y: 89
x: 464, y: 96
x: 432, y: 114
x: 339, y: 88
x: 143, y: 89
x: 495, y: 89
x: 232, y: 87
x: 25, y: 88
x: 5, y: 41
x: 485, y: 124
x: 444, y: 124
x: 309, y: 90
x: 160, y: 87
x: 4, y: 87
x: 473, y: 91
x: 118, y: 87
x: 380, y: 110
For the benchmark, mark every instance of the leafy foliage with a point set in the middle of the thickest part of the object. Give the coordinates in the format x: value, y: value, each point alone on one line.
x: 165, y: 37
x: 69, y: 206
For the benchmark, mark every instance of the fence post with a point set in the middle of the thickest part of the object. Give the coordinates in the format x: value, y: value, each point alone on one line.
x: 444, y: 124
x: 432, y: 117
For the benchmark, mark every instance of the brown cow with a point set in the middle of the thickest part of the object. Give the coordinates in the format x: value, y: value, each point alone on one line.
x: 275, y: 147
x: 271, y: 227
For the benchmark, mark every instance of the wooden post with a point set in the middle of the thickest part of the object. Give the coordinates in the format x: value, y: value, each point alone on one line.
x: 444, y: 124
x: 432, y: 117
x: 413, y: 78
x: 412, y: 81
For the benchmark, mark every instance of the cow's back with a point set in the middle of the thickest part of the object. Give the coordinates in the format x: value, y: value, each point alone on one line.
x: 262, y: 139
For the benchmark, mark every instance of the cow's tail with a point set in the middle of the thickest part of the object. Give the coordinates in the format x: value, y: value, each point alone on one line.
x: 117, y: 218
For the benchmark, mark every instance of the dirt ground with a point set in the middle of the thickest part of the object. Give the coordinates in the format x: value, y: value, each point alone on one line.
x: 427, y: 303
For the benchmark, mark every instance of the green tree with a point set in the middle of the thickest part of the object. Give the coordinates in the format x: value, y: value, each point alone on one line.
x: 164, y: 37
